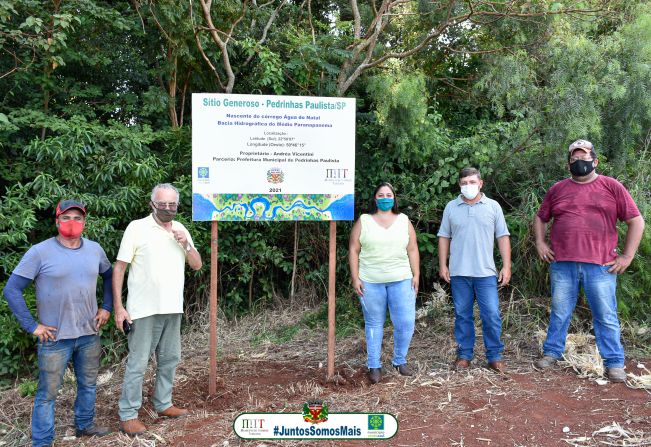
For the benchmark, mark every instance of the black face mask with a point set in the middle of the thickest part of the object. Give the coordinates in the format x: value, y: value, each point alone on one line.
x: 581, y: 168
x: 164, y: 215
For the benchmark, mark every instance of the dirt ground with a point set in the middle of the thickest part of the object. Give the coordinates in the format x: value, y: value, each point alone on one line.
x: 475, y: 408
x: 436, y: 407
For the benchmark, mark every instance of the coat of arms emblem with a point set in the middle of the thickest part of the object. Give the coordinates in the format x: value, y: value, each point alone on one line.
x: 275, y: 175
x: 315, y: 411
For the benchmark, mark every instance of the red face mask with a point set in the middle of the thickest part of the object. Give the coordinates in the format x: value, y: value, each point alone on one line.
x: 71, y: 228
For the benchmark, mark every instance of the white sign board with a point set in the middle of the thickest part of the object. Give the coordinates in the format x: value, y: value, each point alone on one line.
x: 264, y: 157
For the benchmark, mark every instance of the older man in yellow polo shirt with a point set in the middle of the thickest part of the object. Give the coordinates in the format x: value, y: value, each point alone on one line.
x: 156, y: 248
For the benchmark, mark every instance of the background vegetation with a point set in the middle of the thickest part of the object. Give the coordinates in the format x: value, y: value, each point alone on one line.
x: 95, y: 104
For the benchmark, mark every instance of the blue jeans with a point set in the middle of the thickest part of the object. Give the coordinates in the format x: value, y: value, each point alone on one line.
x: 464, y: 291
x: 53, y: 358
x: 401, y: 300
x: 599, y: 287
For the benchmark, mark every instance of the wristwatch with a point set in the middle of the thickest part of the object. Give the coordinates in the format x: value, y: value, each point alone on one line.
x: 188, y: 248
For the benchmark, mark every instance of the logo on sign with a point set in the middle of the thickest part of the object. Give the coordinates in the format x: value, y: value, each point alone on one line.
x: 203, y: 172
x: 275, y: 175
x: 337, y: 174
x: 376, y: 422
x: 315, y: 412
x: 253, y: 424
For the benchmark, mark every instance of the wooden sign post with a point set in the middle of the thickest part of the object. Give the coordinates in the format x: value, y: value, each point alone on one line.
x: 332, y: 269
x: 212, y: 382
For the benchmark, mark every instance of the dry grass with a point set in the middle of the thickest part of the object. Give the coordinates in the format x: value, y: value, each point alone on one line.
x: 641, y: 382
x: 582, y: 356
x: 248, y: 343
x: 612, y: 435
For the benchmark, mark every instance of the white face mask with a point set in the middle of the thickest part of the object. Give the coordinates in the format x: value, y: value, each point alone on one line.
x: 470, y: 191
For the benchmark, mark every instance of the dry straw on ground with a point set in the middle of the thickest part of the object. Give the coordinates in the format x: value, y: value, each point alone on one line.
x: 248, y: 344
x: 582, y: 356
x: 612, y: 435
x: 643, y: 381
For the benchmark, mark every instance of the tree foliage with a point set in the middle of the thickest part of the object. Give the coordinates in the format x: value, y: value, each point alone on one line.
x: 95, y: 104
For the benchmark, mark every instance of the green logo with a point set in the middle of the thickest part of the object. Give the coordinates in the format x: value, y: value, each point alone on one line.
x: 376, y: 422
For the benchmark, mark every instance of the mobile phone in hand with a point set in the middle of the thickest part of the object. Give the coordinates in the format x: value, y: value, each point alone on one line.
x: 126, y: 327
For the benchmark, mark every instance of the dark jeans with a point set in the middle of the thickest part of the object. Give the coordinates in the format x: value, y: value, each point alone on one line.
x: 53, y: 358
x: 464, y: 291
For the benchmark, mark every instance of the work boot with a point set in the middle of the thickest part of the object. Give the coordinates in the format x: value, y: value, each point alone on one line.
x: 93, y: 430
x: 404, y: 369
x: 545, y: 362
x: 497, y: 366
x: 616, y: 374
x: 132, y: 427
x: 173, y: 412
x: 375, y: 374
x: 461, y: 364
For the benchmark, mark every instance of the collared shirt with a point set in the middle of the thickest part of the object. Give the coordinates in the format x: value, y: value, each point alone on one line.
x: 156, y: 271
x: 472, y: 230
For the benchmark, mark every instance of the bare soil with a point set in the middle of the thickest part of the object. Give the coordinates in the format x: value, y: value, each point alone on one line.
x: 436, y: 407
x: 474, y: 408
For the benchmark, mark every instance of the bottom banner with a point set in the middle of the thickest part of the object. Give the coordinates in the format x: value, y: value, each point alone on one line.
x: 315, y: 423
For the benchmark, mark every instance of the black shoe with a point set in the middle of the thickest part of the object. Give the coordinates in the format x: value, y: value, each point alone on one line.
x: 93, y: 430
x: 375, y: 374
x: 404, y: 369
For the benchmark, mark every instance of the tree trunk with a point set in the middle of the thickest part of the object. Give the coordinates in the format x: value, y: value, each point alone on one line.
x: 171, y: 90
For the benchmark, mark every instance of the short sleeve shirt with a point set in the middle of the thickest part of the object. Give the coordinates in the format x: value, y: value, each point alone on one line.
x: 472, y: 230
x: 66, y: 284
x: 157, y: 265
x: 584, y: 226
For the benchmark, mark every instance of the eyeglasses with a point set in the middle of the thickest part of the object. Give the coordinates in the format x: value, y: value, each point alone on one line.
x: 168, y: 205
x: 573, y: 159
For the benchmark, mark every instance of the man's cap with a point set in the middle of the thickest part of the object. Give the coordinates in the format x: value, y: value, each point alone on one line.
x: 582, y: 144
x: 66, y: 205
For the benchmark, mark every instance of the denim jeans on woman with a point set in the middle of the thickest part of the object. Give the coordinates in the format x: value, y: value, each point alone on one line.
x: 599, y: 287
x: 401, y: 300
x: 464, y: 291
x: 53, y: 358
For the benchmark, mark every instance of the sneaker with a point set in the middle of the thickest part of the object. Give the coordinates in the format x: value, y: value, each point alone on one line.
x: 547, y: 361
x: 461, y: 364
x: 375, y: 374
x: 132, y: 427
x: 404, y: 369
x: 616, y: 374
x: 93, y: 430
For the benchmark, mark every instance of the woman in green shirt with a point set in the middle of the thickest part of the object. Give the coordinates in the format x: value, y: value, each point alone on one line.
x: 385, y: 270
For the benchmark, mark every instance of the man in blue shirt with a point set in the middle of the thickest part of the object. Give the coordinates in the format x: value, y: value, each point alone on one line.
x: 469, y: 227
x: 64, y: 270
